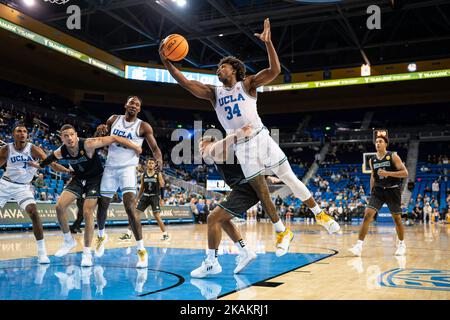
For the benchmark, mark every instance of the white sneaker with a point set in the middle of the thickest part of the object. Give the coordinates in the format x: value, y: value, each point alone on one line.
x: 66, y: 247
x: 142, y: 259
x: 327, y: 222
x: 356, y: 250
x: 401, y: 249
x: 86, y: 260
x: 207, y: 268
x: 243, y: 260
x: 100, y: 245
x: 43, y: 259
x: 283, y: 241
x: 357, y: 264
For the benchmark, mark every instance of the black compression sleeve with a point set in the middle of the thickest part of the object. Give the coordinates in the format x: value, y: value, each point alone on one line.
x: 51, y: 158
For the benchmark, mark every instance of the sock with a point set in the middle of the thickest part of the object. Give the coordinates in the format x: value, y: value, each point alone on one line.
x: 41, y: 246
x: 241, y: 246
x: 316, y: 210
x: 165, y: 233
x: 359, y: 243
x: 67, y: 237
x: 401, y: 242
x: 212, y: 254
x: 279, y: 226
x: 86, y: 250
x: 101, y: 233
x: 140, y: 245
x: 129, y: 232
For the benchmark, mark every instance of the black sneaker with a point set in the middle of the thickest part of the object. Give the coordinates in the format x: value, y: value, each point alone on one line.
x: 72, y: 229
x: 78, y: 230
x: 125, y: 236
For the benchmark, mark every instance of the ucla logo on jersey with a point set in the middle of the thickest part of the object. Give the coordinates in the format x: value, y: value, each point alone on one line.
x: 421, y: 279
x: 123, y: 134
x: 20, y: 158
x: 230, y: 99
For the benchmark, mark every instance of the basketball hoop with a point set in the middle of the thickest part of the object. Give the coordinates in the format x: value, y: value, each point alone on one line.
x: 57, y: 1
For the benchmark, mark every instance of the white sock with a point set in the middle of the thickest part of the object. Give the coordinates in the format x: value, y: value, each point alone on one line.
x: 86, y: 250
x: 212, y: 254
x: 165, y: 233
x: 67, y: 237
x: 101, y: 233
x: 316, y: 210
x: 279, y: 226
x: 359, y: 243
x: 241, y: 245
x: 129, y: 232
x: 401, y: 242
x: 41, y: 246
x: 140, y: 244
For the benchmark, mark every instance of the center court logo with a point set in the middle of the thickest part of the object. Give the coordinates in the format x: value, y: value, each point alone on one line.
x: 417, y: 279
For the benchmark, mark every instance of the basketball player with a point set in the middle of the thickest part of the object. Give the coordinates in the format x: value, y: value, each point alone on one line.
x: 241, y: 198
x: 235, y: 105
x: 385, y: 182
x: 150, y: 193
x: 16, y: 181
x: 88, y: 169
x: 120, y: 168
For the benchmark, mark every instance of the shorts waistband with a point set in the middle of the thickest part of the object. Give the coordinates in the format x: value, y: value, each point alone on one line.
x: 254, y: 134
x: 390, y: 187
x: 9, y: 180
x: 149, y: 195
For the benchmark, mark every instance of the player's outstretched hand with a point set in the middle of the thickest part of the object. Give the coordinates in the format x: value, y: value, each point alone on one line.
x: 245, y: 131
x: 265, y: 36
x: 160, y: 50
x: 102, y: 130
x: 34, y: 164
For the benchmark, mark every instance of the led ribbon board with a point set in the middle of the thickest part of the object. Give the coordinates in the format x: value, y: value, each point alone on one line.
x: 360, y: 80
x: 4, y: 24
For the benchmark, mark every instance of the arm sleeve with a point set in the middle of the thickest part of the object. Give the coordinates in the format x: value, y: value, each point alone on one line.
x: 51, y: 158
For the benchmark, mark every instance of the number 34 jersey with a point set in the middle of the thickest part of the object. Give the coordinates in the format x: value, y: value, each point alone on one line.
x: 235, y: 108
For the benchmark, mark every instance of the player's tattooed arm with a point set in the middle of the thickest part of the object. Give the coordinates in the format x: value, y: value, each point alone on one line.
x: 3, y: 155
x: 267, y: 75
x: 198, y: 89
x: 38, y: 153
x: 92, y: 144
x: 146, y: 131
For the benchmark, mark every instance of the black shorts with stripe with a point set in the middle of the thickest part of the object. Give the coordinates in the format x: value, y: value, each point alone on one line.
x: 146, y: 201
x: 241, y: 198
x: 391, y: 196
x: 90, y: 188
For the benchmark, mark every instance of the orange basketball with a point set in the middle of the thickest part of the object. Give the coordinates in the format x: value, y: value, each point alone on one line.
x: 175, y: 47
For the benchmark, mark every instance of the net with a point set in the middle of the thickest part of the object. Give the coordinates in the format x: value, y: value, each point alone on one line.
x: 57, y: 1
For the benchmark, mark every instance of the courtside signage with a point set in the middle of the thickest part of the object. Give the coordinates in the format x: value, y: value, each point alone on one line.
x: 360, y: 80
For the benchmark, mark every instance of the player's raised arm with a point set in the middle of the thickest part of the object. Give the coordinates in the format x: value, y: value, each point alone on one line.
x: 197, y: 88
x: 269, y: 74
x: 95, y: 143
x: 150, y: 138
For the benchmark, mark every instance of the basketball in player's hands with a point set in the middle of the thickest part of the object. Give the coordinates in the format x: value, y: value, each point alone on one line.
x: 174, y: 47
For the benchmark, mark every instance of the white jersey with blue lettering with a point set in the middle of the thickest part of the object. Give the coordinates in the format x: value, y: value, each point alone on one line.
x: 118, y: 155
x: 236, y: 108
x: 17, y: 168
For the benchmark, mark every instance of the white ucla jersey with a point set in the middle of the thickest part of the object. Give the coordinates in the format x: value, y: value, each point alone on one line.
x: 118, y: 155
x: 17, y: 168
x: 235, y: 108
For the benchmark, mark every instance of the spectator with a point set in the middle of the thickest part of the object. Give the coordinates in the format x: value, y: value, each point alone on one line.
x: 192, y: 204
x: 427, y: 211
x: 435, y: 188
x: 39, y: 183
x: 278, y: 202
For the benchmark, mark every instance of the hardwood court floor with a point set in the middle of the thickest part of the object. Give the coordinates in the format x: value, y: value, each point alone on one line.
x: 320, y: 266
